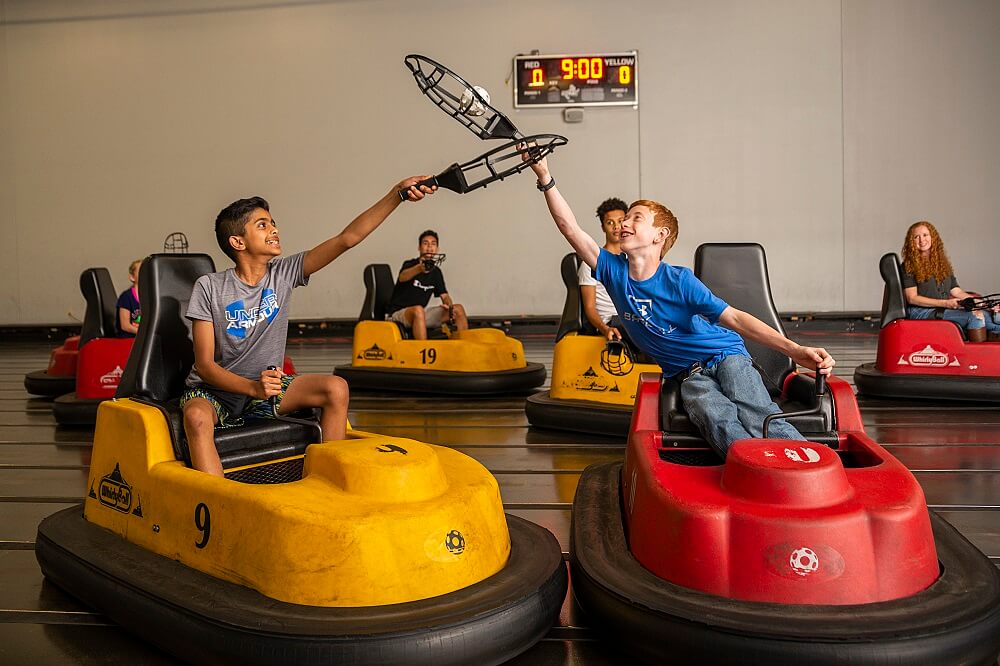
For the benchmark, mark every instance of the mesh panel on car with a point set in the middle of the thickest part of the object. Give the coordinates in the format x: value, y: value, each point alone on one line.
x: 284, y: 471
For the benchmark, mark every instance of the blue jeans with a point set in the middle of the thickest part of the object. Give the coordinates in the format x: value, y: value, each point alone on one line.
x: 963, y: 318
x: 728, y: 402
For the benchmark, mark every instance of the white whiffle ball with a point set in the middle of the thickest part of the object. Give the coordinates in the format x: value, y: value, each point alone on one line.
x: 471, y: 106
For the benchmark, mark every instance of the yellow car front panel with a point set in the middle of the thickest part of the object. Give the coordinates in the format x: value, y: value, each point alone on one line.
x: 374, y: 520
x: 378, y: 344
x: 581, y: 370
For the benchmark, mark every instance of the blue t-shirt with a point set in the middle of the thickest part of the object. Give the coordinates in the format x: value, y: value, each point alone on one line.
x: 672, y: 316
x: 127, y: 301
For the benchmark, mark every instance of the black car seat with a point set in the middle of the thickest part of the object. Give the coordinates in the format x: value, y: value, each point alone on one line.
x: 99, y: 293
x: 737, y: 273
x: 379, y: 283
x: 572, y: 314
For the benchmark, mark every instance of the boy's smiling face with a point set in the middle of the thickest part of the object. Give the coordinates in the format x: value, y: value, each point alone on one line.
x: 637, y: 231
x: 260, y: 235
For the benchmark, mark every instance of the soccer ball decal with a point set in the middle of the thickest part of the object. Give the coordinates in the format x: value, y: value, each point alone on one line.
x: 616, y: 359
x: 804, y: 561
x: 455, y: 542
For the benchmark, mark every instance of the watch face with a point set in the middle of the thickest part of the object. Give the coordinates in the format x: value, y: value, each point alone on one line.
x: 576, y: 80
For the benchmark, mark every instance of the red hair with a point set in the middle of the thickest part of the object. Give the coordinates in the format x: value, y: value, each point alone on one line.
x: 934, y: 265
x: 662, y: 217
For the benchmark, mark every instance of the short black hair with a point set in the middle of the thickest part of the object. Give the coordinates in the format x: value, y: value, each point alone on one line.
x: 608, y: 205
x: 231, y: 220
x: 425, y: 234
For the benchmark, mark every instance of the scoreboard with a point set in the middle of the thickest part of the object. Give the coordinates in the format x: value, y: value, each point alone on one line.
x: 602, y: 79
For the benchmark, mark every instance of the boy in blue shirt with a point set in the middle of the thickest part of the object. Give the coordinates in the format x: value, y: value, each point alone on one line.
x: 672, y: 316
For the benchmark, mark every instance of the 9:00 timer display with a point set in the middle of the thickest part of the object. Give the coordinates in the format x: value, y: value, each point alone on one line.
x: 607, y: 79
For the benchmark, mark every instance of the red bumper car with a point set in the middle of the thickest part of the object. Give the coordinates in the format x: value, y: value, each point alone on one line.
x: 59, y: 377
x: 101, y: 356
x: 925, y: 358
x: 787, y: 552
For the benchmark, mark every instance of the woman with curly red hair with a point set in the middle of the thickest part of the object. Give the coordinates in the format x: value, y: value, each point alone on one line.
x: 929, y: 283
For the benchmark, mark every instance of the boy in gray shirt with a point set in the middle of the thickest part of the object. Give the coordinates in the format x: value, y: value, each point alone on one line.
x: 240, y: 324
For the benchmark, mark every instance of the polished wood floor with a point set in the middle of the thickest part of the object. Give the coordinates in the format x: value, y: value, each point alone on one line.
x: 954, y: 451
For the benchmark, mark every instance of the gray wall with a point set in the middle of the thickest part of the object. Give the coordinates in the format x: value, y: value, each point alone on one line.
x: 818, y: 128
x: 10, y: 303
x: 921, y: 134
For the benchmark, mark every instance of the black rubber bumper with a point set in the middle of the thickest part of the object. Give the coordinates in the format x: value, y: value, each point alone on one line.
x: 595, y: 418
x: 204, y: 620
x: 871, y: 381
x: 955, y: 621
x: 443, y: 383
x: 71, y: 410
x: 41, y: 382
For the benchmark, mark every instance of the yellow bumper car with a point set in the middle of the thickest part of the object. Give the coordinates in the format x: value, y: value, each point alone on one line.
x: 593, y: 382
x: 480, y: 361
x: 370, y: 550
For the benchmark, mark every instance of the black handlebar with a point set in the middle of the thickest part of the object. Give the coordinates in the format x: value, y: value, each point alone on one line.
x: 430, y: 182
x: 987, y: 302
x: 274, y: 407
x: 816, y: 409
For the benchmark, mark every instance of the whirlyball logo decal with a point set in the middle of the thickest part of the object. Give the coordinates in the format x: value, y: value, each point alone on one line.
x: 375, y: 353
x: 115, y: 492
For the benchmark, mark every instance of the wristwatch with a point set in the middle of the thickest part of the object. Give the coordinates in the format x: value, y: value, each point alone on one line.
x: 547, y: 186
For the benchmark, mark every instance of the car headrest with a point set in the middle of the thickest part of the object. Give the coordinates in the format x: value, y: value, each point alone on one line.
x: 378, y: 290
x: 99, y: 292
x: 572, y: 314
x: 737, y: 273
x: 163, y: 352
x: 893, y: 298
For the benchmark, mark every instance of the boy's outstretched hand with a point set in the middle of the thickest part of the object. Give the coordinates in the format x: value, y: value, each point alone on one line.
x: 413, y: 191
x: 815, y: 358
x: 541, y: 167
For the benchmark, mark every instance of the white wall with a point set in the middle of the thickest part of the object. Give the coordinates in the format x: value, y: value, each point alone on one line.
x: 124, y: 120
x: 922, y: 134
x: 10, y: 303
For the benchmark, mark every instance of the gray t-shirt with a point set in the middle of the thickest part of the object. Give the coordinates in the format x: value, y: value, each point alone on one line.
x: 931, y: 288
x: 251, y: 322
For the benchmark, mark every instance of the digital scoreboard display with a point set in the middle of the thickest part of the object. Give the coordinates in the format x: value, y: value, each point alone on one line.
x: 604, y: 79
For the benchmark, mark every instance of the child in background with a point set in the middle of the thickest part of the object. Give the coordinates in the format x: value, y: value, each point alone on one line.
x: 127, y: 309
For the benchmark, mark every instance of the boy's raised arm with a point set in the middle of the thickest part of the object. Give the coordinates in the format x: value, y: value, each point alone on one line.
x: 585, y: 246
x: 364, y: 224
